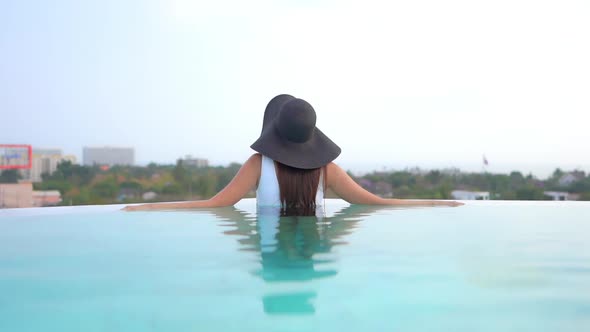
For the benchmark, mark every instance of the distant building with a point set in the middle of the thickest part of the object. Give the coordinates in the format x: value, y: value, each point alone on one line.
x: 470, y: 195
x: 148, y: 196
x: 16, y: 195
x: 107, y: 155
x: 46, y: 197
x: 15, y: 156
x: 195, y: 162
x: 557, y: 195
x: 128, y: 193
x: 45, y: 161
x: 569, y: 178
x: 21, y: 195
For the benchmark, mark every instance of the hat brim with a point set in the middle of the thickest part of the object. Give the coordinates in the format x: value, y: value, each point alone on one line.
x: 316, y: 152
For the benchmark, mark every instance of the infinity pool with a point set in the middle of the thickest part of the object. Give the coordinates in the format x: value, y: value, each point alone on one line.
x: 485, y: 266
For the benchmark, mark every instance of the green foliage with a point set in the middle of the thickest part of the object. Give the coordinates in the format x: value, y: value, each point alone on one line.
x: 580, y: 186
x: 78, y: 175
x: 10, y: 176
x: 62, y: 186
x: 90, y: 185
x: 107, y: 189
x: 179, y: 172
x: 84, y: 197
x: 530, y: 194
x: 225, y: 175
x: 172, y: 189
x: 439, y: 184
x: 134, y: 185
x: 208, y: 185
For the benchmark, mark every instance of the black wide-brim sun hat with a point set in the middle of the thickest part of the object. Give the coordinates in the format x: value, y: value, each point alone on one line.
x: 291, y: 138
x: 273, y: 107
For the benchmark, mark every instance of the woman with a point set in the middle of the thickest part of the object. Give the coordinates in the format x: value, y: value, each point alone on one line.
x: 293, y: 168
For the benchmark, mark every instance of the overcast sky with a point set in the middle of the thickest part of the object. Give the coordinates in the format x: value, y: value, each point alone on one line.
x: 395, y: 84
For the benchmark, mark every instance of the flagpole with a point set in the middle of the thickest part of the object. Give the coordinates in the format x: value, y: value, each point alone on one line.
x: 484, y: 164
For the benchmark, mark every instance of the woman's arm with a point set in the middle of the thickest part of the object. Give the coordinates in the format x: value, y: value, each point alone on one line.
x: 344, y: 186
x: 239, y: 186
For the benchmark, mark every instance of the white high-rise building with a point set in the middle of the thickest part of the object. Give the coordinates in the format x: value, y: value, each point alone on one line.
x: 108, y: 155
x: 44, y: 161
x: 195, y: 162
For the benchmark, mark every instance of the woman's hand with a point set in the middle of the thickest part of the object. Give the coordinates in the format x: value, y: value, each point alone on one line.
x: 136, y: 207
x: 453, y: 203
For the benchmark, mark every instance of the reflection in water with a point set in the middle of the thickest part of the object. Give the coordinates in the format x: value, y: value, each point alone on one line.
x: 292, y: 249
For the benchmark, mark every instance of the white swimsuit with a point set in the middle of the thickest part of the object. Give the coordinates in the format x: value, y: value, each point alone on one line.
x: 268, y: 192
x: 268, y: 201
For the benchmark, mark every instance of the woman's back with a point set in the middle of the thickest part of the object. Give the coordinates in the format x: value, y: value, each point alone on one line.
x: 268, y: 192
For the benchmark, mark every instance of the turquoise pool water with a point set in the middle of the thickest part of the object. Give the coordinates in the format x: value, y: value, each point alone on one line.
x: 486, y: 266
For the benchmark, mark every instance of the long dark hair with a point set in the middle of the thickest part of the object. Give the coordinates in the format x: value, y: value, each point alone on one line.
x: 298, y: 189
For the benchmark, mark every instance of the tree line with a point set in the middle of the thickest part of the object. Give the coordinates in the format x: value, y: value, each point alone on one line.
x: 437, y: 184
x: 81, y: 185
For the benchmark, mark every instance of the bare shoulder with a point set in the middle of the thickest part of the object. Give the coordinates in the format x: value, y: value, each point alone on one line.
x: 335, y: 173
x: 255, y: 159
x: 333, y: 168
x: 253, y: 164
x: 253, y: 167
